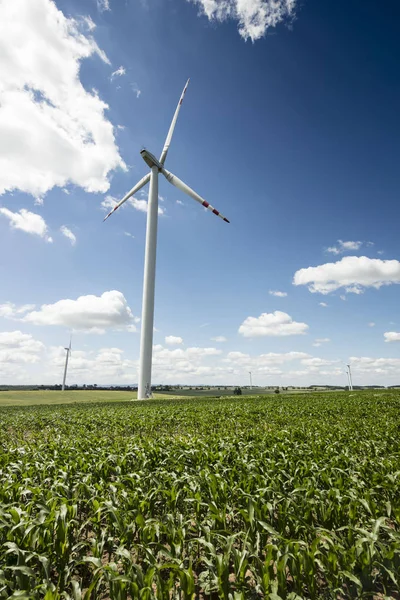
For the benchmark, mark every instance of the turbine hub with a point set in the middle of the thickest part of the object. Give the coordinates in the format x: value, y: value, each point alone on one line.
x: 150, y: 159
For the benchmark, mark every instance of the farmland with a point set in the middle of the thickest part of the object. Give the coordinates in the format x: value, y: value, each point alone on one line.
x: 295, y: 496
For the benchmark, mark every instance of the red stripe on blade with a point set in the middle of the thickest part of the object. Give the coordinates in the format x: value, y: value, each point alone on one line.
x: 215, y: 211
x: 206, y: 204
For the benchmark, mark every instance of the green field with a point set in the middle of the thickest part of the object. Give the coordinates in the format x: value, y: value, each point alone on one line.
x: 34, y: 397
x: 289, y: 496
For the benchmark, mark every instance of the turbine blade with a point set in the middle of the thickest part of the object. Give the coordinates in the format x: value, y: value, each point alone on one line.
x: 135, y: 189
x: 185, y: 188
x: 172, y: 126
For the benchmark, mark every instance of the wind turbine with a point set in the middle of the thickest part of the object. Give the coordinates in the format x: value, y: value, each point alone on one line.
x: 68, y: 350
x: 156, y: 166
x: 251, y: 381
x: 350, y: 378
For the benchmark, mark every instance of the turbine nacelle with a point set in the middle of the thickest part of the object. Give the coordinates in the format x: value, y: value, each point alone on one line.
x: 150, y: 159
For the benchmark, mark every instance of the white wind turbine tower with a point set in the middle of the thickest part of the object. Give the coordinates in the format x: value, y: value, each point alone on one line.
x: 350, y: 378
x: 156, y: 166
x: 251, y: 381
x: 68, y: 352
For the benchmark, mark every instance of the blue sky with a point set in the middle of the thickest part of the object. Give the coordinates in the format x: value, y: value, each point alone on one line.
x: 291, y: 131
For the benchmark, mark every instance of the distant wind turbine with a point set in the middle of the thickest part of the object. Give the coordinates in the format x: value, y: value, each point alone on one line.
x: 350, y: 378
x: 68, y: 350
x: 156, y: 166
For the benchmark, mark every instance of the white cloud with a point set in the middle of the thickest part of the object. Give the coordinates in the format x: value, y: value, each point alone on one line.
x: 118, y: 73
x: 93, y: 314
x: 17, y: 347
x: 89, y: 23
x: 68, y: 234
x: 278, y: 294
x: 323, y: 304
x: 141, y: 205
x: 319, y: 341
x: 219, y: 338
x: 392, y: 336
x: 254, y: 17
x: 342, y: 297
x: 381, y: 366
x: 136, y: 90
x: 183, y: 364
x: 343, y: 247
x: 317, y: 362
x: 173, y: 340
x: 45, y: 106
x: 354, y: 273
x: 9, y: 310
x: 371, y: 324
x: 263, y: 360
x: 128, y: 234
x: 271, y: 324
x: 107, y: 365
x: 180, y: 202
x: 27, y: 221
x: 103, y: 5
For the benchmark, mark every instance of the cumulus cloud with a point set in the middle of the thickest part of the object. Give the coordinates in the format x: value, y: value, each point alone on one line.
x: 173, y: 340
x: 380, y: 366
x: 353, y: 273
x: 392, y: 336
x: 371, y: 324
x: 142, y: 205
x: 9, y: 310
x: 105, y: 365
x: 17, y: 347
x: 184, y: 363
x: 27, y: 221
x: 219, y: 338
x: 272, y: 324
x: 138, y: 204
x: 317, y: 362
x: 261, y: 360
x: 68, y: 234
x: 93, y: 314
x: 323, y: 304
x: 343, y: 247
x: 278, y: 294
x: 52, y: 130
x: 254, y: 17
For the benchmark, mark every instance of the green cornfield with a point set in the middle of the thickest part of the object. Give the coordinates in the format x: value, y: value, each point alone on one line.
x: 294, y: 496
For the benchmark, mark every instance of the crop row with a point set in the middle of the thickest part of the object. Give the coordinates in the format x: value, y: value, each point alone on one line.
x: 296, y: 497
